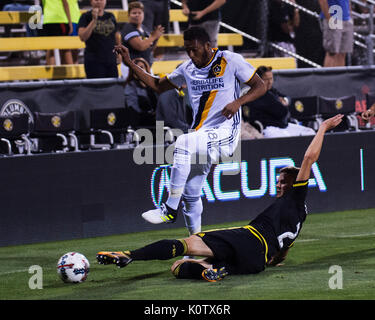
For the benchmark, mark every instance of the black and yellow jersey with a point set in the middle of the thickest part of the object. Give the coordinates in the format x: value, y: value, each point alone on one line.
x: 281, y: 222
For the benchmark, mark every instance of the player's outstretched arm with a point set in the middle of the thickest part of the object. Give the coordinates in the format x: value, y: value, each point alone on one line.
x: 313, y: 151
x: 155, y: 83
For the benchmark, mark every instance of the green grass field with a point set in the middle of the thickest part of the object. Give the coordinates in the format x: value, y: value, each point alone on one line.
x: 344, y: 238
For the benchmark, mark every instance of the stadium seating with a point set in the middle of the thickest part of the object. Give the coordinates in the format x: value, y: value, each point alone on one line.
x: 305, y: 110
x: 14, y: 131
x: 328, y: 107
x: 55, y: 132
x: 19, y: 17
x: 12, y: 44
x: 112, y: 123
x: 13, y: 73
x: 163, y: 67
x: 68, y: 42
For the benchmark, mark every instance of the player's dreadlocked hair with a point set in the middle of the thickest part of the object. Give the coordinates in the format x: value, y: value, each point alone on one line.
x: 196, y: 33
x: 292, y: 171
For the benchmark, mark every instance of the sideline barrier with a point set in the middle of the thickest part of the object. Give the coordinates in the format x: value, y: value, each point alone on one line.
x: 98, y: 193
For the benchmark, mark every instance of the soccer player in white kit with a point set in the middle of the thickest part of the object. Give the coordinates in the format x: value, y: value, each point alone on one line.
x: 213, y: 78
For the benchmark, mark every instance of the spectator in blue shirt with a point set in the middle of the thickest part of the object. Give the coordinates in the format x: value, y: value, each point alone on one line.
x: 338, y: 31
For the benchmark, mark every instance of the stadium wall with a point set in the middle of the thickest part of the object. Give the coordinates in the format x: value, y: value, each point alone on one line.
x: 52, y: 197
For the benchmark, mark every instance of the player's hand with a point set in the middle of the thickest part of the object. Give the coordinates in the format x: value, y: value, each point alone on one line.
x: 230, y: 109
x: 367, y: 114
x: 124, y: 52
x: 332, y: 122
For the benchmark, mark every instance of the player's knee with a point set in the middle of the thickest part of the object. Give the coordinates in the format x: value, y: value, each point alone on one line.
x: 192, y: 203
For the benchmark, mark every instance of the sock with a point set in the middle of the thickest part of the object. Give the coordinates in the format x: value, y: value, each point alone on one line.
x: 192, y: 212
x: 179, y: 174
x: 160, y: 250
x: 189, y: 270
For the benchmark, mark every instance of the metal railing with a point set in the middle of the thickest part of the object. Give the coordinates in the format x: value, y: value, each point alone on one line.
x: 258, y: 41
x: 365, y: 42
x: 368, y: 40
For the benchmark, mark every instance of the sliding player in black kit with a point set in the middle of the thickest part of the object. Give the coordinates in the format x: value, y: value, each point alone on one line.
x: 244, y: 250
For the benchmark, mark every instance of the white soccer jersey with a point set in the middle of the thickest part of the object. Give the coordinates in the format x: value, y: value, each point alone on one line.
x: 212, y: 87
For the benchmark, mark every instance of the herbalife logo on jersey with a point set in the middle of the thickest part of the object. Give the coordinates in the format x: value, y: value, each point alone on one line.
x: 207, y: 84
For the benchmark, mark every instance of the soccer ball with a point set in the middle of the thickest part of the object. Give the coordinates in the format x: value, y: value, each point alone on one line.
x: 73, y: 267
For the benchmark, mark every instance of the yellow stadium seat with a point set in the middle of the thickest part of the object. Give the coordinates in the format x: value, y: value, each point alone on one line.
x: 69, y: 42
x: 17, y: 17
x: 159, y: 68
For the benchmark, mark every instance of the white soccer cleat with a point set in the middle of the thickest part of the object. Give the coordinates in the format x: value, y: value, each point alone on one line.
x: 160, y: 215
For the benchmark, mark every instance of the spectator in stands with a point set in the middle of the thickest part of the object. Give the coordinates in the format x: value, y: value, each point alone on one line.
x: 140, y: 99
x: 283, y: 21
x: 338, y: 31
x: 272, y: 111
x: 156, y: 13
x: 17, y: 6
x: 136, y: 37
x: 75, y: 14
x: 57, y: 21
x: 249, y: 132
x: 206, y: 14
x: 98, y: 29
x: 174, y: 109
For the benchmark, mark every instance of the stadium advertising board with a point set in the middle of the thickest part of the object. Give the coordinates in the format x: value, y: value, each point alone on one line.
x: 84, y: 194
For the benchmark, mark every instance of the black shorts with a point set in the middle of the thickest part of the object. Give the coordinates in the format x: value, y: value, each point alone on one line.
x: 239, y: 250
x: 55, y: 29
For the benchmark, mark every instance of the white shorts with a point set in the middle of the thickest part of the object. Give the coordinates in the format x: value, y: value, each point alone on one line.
x: 207, y: 145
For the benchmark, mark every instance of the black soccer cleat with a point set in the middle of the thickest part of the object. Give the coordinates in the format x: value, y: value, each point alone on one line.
x: 119, y: 258
x: 213, y: 275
